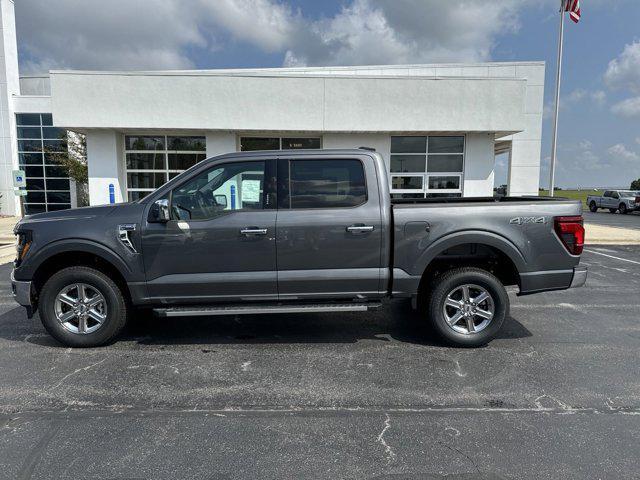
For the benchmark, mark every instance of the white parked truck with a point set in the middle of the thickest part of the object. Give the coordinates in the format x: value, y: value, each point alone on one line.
x: 623, y: 201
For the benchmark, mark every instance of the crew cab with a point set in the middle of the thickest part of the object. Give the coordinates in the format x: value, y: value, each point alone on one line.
x: 293, y: 232
x: 623, y: 201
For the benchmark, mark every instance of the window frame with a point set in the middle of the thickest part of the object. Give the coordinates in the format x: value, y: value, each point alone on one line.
x: 427, y: 174
x: 165, y: 152
x: 283, y: 193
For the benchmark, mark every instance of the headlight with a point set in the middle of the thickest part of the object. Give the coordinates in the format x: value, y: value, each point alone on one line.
x: 23, y: 244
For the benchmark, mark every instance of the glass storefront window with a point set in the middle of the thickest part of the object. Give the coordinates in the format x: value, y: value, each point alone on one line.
x: 152, y: 160
x: 420, y: 156
x: 39, y: 146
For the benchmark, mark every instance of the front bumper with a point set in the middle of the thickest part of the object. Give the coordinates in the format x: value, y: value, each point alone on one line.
x: 579, y: 277
x: 21, y: 291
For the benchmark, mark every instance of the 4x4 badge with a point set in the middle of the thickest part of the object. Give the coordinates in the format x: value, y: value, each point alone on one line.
x: 525, y: 220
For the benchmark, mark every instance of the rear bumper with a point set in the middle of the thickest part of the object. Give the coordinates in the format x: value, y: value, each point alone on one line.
x: 21, y: 291
x: 579, y: 277
x: 535, y: 282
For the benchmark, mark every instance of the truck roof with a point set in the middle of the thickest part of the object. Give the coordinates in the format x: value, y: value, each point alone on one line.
x: 321, y: 151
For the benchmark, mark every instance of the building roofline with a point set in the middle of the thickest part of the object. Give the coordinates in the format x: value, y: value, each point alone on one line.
x: 291, y: 71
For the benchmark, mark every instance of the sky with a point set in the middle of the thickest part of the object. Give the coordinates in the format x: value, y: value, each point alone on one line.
x: 599, y: 130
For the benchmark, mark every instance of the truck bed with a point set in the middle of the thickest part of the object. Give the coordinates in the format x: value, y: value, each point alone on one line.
x: 522, y: 228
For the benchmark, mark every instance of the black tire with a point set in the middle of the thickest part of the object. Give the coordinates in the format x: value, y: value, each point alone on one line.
x: 116, y: 307
x: 447, y: 282
x: 613, y: 210
x: 593, y: 207
x: 623, y: 209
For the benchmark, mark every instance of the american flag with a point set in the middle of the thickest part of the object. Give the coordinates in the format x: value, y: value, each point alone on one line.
x: 573, y: 7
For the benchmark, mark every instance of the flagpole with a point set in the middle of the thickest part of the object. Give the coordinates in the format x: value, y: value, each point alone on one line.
x: 554, y: 138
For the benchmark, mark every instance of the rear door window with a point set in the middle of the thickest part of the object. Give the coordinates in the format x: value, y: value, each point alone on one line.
x: 326, y: 184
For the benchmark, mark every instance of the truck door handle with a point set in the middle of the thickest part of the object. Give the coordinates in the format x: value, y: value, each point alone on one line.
x: 253, y: 231
x: 360, y: 228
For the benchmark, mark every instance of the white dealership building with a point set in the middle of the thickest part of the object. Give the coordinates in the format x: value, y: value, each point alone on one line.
x: 438, y: 127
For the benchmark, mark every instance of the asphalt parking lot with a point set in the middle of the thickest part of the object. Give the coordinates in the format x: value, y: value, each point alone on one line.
x: 335, y: 396
x: 603, y: 217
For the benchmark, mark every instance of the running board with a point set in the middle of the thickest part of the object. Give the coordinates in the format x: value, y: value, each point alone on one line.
x: 199, y: 311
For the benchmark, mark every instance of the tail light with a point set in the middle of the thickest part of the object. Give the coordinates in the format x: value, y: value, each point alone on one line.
x: 570, y: 231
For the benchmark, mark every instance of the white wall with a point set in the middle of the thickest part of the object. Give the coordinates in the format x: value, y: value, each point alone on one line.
x: 210, y: 101
x: 479, y: 165
x: 524, y: 166
x: 380, y: 141
x: 9, y: 86
x: 106, y: 166
x: 219, y: 143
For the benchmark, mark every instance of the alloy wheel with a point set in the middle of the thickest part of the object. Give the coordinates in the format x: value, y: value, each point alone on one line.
x: 468, y: 309
x: 80, y: 308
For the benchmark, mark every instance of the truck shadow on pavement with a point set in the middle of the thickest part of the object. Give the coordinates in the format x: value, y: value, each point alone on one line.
x: 395, y: 322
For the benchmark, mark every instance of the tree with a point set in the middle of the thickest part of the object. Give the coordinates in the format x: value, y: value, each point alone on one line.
x: 635, y: 185
x: 74, y: 161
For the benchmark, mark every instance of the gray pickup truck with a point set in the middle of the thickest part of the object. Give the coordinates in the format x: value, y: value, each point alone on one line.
x: 292, y: 232
x: 623, y: 201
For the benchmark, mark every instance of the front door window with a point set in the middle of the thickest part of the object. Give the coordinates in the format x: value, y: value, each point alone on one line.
x: 221, y: 189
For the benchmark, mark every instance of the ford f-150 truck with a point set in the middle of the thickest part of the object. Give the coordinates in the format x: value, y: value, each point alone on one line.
x: 623, y: 201
x: 292, y: 232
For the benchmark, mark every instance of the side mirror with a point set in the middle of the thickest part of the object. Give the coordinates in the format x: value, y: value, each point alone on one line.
x: 159, y: 212
x: 221, y: 200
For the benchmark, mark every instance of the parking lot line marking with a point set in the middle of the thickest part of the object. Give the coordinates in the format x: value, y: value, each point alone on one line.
x: 612, y: 256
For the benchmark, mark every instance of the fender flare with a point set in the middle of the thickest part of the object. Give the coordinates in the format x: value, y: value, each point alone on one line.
x: 77, y: 245
x: 454, y: 239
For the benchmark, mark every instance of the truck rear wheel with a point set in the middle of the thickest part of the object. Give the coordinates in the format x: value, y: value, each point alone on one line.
x: 467, y: 307
x: 82, y: 307
x: 593, y: 207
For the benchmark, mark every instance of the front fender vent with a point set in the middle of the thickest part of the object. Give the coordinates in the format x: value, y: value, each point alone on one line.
x: 124, y: 234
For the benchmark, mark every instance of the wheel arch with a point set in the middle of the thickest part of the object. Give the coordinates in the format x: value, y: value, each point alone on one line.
x: 484, y: 250
x: 57, y: 256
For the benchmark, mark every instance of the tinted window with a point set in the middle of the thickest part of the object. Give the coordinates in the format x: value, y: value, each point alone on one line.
x: 445, y: 163
x: 327, y: 183
x: 57, y: 184
x: 607, y: 194
x: 440, y: 183
x: 232, y: 186
x: 183, y: 161
x: 446, y: 144
x: 144, y: 143
x: 28, y: 119
x: 186, y: 143
x: 259, y: 143
x: 408, y: 144
x: 408, y: 163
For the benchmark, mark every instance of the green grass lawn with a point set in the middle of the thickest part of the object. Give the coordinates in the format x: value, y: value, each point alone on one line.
x: 573, y: 194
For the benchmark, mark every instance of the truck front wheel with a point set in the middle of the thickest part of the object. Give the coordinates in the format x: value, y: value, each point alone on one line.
x: 82, y: 307
x: 467, y: 307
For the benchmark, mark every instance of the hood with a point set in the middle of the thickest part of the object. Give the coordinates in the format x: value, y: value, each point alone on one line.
x: 70, y: 214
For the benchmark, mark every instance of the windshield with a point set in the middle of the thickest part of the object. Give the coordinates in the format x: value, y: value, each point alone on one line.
x: 628, y: 193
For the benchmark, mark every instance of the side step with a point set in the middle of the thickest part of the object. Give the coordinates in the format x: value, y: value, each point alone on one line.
x: 199, y: 311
